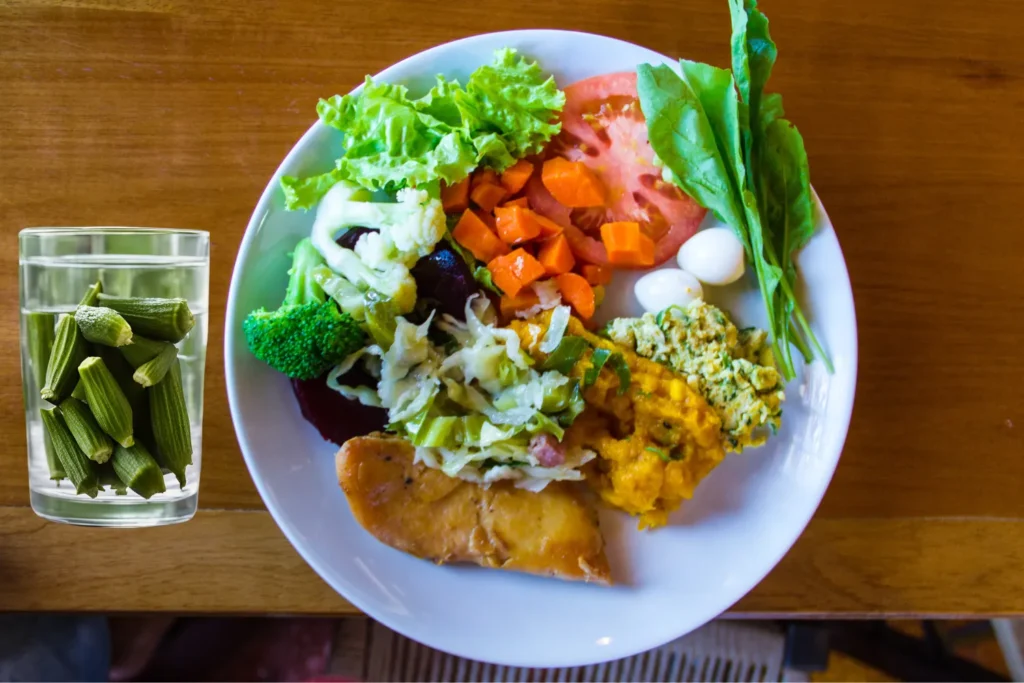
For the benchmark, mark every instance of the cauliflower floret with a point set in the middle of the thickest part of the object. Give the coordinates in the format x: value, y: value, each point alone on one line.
x: 407, y: 230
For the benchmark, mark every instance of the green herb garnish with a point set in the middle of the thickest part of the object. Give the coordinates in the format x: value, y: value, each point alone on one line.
x: 618, y: 364
x: 598, y: 359
x: 566, y: 354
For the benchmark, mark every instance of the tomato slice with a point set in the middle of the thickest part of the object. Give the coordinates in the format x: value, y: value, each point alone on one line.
x: 603, y: 127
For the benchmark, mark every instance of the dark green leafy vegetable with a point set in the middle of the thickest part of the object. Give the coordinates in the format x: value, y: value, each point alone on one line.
x: 724, y: 141
x: 566, y: 354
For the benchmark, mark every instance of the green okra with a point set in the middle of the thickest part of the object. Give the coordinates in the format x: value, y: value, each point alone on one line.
x: 166, y: 319
x: 78, y: 468
x: 52, y: 461
x: 138, y: 470
x: 69, y: 350
x: 107, y: 401
x: 92, y: 295
x: 79, y: 392
x: 107, y: 478
x: 96, y: 445
x: 169, y: 418
x: 40, y: 332
x: 153, y: 371
x: 142, y: 350
x: 122, y: 372
x: 102, y: 325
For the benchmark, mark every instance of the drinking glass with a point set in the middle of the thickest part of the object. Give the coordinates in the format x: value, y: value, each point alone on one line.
x: 56, y: 267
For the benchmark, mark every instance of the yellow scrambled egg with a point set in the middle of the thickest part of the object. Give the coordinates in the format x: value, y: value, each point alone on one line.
x: 655, y: 441
x: 732, y: 369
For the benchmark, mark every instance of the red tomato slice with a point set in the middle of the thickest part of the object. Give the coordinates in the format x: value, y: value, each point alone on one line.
x: 603, y: 127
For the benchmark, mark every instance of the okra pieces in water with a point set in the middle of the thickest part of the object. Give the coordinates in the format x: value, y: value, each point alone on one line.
x: 96, y: 445
x: 166, y: 319
x: 137, y: 469
x: 101, y: 325
x: 106, y: 400
x: 154, y: 370
x: 78, y: 468
x: 169, y: 417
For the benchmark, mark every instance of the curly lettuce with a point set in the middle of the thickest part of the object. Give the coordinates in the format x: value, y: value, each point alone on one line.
x: 507, y: 110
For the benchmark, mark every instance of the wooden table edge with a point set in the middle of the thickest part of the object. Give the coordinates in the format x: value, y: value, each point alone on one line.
x: 238, y: 562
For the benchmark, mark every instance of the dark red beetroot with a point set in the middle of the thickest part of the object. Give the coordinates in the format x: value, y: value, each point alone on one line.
x: 337, y: 418
x: 444, y: 282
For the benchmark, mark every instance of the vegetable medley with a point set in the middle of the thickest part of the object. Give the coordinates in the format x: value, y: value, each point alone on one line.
x: 464, y: 240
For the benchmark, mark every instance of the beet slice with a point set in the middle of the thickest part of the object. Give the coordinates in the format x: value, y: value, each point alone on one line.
x: 337, y: 418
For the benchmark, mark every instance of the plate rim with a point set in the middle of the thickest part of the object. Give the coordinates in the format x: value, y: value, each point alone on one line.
x: 425, y: 636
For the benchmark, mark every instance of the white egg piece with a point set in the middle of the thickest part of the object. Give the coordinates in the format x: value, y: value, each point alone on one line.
x: 714, y: 256
x: 660, y: 289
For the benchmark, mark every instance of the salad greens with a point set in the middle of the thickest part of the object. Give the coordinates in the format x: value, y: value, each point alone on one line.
x: 392, y: 141
x: 725, y: 142
x: 481, y: 403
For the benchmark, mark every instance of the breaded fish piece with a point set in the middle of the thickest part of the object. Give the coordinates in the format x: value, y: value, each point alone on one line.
x: 423, y: 512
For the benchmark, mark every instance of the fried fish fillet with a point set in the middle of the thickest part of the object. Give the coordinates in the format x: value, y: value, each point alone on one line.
x: 423, y: 512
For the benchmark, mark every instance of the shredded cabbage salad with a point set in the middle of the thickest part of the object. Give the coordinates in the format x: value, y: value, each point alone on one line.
x: 472, y: 411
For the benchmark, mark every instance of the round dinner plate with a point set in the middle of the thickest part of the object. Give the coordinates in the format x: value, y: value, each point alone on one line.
x: 741, y: 522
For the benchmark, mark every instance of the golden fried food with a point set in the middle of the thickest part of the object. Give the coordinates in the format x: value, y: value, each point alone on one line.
x: 655, y: 441
x: 423, y: 512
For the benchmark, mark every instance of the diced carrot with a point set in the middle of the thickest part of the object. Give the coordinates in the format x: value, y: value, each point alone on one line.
x: 548, y: 228
x: 514, y: 271
x: 515, y: 225
x: 487, y: 196
x: 485, y: 176
x: 510, y: 305
x: 626, y: 245
x: 516, y: 175
x: 555, y: 256
x: 572, y: 183
x: 473, y: 234
x: 578, y: 293
x: 488, y: 219
x: 596, y: 275
x: 455, y: 198
x: 521, y: 202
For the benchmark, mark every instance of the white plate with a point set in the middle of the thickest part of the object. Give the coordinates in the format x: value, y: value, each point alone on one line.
x: 720, y: 545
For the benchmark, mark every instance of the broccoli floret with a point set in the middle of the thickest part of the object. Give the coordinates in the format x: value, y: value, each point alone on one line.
x: 307, y: 335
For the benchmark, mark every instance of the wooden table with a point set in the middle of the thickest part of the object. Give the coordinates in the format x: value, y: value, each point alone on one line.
x: 176, y: 112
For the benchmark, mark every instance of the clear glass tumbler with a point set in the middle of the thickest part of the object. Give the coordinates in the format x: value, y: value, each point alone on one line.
x: 56, y: 267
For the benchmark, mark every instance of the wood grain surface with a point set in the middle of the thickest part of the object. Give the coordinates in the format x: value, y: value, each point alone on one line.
x: 176, y: 113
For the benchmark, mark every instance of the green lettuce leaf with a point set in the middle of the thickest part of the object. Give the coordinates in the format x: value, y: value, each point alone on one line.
x: 391, y: 142
x: 507, y: 110
x: 513, y: 98
x: 304, y: 193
